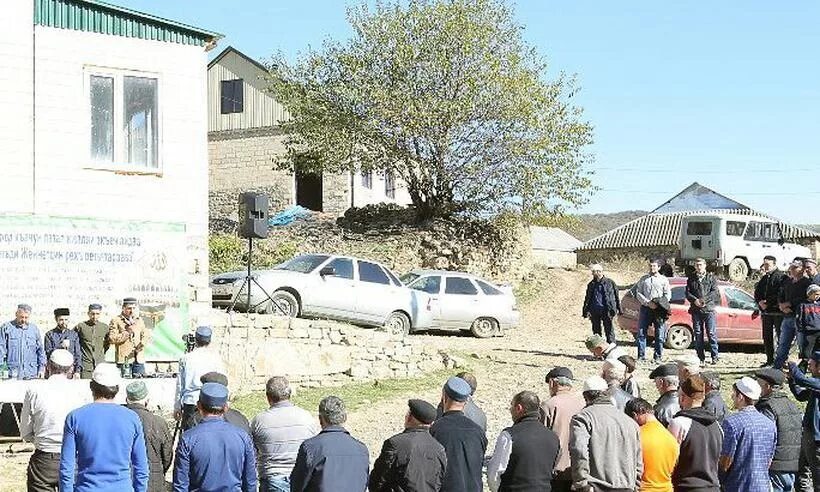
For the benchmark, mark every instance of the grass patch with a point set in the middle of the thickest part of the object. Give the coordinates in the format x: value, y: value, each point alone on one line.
x: 355, y: 395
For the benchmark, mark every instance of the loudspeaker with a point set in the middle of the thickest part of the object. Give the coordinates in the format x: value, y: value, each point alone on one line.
x: 253, y: 215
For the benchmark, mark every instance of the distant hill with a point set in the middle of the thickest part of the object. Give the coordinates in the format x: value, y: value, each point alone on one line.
x: 587, y: 226
x: 811, y: 227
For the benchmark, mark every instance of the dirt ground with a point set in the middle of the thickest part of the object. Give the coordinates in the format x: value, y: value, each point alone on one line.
x: 552, y: 333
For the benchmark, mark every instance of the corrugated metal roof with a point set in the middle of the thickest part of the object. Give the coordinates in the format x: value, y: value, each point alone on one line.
x: 553, y: 239
x: 103, y: 18
x: 662, y: 230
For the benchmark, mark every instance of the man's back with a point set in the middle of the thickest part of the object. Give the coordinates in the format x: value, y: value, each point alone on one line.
x: 558, y: 412
x: 159, y: 445
x: 45, y: 408
x: 332, y: 461
x: 102, y: 443
x: 749, y: 439
x: 215, y: 455
x: 471, y: 411
x: 660, y: 451
x: 700, y: 442
x: 465, y: 444
x: 532, y: 457
x: 277, y: 434
x: 192, y: 366
x: 410, y: 461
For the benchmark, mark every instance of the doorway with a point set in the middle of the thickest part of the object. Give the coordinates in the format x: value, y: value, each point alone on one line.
x: 309, y: 189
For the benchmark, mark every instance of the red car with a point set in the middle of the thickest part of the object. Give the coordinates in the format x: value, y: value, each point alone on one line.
x: 734, y: 316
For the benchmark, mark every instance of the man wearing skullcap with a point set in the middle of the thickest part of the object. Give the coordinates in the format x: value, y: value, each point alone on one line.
x: 192, y: 366
x: 601, y: 303
x: 21, y: 348
x: 215, y: 455
x: 128, y: 334
x: 463, y: 440
x: 605, y: 444
x: 93, y: 335
x: 749, y: 440
x: 62, y: 337
x: 525, y: 453
x: 471, y: 409
x: 787, y: 417
x: 159, y: 444
x: 103, y: 443
x: 600, y: 349
x: 413, y: 459
x: 807, y: 389
x: 45, y: 408
x: 557, y: 412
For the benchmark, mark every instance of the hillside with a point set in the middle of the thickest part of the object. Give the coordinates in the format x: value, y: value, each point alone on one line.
x: 811, y: 227
x: 587, y: 226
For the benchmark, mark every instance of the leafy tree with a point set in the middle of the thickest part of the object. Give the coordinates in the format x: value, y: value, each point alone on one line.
x: 446, y: 95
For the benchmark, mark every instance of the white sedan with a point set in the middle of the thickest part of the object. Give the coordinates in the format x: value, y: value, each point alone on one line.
x: 328, y: 286
x: 461, y: 301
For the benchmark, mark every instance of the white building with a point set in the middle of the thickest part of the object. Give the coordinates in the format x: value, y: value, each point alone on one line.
x: 104, y: 162
x: 245, y: 138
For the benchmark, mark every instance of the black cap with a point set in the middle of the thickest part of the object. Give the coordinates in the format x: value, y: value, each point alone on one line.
x: 769, y: 258
x: 61, y: 312
x: 664, y: 370
x: 559, y: 372
x: 214, y: 377
x: 422, y: 411
x: 129, y: 301
x: 770, y: 375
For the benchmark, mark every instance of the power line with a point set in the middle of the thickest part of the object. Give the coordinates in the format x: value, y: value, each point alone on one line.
x: 749, y: 193
x: 706, y: 171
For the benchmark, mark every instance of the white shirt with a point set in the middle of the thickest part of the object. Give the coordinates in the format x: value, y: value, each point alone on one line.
x: 499, y: 461
x: 193, y: 366
x: 651, y: 287
x: 45, y: 407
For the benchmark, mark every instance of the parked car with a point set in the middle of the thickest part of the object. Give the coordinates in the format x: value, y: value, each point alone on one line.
x: 461, y: 301
x: 328, y: 286
x: 734, y: 316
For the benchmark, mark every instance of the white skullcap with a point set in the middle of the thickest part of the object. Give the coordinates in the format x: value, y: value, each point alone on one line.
x: 613, y: 367
x: 107, y: 375
x: 748, y: 387
x: 62, y: 357
x: 595, y: 383
x: 596, y: 266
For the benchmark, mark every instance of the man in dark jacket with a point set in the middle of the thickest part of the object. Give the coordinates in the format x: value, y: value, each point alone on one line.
x: 792, y: 294
x: 808, y: 389
x: 525, y: 454
x: 702, y: 294
x: 601, y: 303
x: 471, y: 410
x: 231, y: 415
x: 766, y: 291
x: 714, y: 400
x: 159, y: 444
x: 701, y: 439
x: 333, y: 460
x: 667, y: 382
x: 786, y: 415
x: 463, y: 440
x: 412, y: 460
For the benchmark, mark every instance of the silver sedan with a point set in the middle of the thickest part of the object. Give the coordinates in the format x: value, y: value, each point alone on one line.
x: 461, y: 301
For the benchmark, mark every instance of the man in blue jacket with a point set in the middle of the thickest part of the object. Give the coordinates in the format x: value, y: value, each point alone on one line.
x: 61, y: 337
x: 333, y: 461
x: 21, y: 347
x: 808, y: 389
x: 215, y: 454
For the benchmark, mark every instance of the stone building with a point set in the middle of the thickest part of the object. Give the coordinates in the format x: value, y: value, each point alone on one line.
x: 104, y: 167
x: 244, y: 139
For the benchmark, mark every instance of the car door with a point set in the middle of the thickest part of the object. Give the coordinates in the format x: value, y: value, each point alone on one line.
x: 739, y: 323
x: 376, y: 294
x: 430, y: 284
x: 335, y: 295
x: 459, y: 302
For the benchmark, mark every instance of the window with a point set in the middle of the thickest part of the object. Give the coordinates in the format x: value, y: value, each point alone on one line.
x: 460, y: 286
x: 303, y: 263
x: 367, y: 179
x: 678, y: 295
x: 343, y: 267
x: 735, y: 228
x: 699, y: 228
x: 389, y: 185
x: 488, y: 289
x: 395, y: 280
x: 737, y: 299
x: 372, y: 273
x: 762, y: 231
x: 431, y: 284
x: 232, y: 96
x: 124, y: 119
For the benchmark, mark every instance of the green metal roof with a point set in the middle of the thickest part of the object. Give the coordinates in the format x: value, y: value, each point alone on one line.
x: 104, y: 18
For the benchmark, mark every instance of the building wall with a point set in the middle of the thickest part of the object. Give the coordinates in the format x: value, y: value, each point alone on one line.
x: 69, y: 184
x: 259, y: 109
x: 376, y: 193
x: 16, y: 93
x: 555, y: 259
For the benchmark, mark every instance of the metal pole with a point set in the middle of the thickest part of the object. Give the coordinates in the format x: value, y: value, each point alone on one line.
x: 250, y: 250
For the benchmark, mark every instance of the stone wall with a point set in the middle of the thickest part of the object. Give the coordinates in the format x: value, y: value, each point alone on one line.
x: 313, y: 352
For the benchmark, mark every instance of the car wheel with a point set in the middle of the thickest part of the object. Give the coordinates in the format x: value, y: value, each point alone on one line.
x: 283, y: 303
x: 737, y: 270
x: 484, y: 327
x: 679, y: 337
x: 397, y: 323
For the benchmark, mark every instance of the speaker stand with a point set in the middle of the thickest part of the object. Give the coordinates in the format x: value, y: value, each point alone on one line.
x: 246, y: 283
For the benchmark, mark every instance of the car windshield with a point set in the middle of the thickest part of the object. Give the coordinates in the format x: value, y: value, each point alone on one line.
x: 408, y: 278
x: 303, y: 263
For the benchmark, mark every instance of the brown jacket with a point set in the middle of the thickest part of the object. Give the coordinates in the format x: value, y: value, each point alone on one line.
x: 128, y: 345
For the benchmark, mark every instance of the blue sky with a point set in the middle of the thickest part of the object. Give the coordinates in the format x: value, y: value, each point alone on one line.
x: 723, y: 93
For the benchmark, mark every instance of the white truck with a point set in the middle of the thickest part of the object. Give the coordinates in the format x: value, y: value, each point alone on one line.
x: 734, y: 243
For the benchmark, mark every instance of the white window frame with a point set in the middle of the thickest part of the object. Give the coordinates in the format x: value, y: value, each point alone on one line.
x: 119, y: 163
